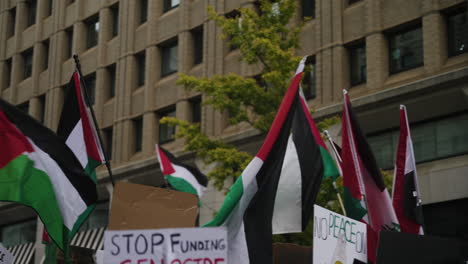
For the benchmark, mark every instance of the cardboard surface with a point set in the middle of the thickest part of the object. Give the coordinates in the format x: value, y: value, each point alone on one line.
x: 136, y: 206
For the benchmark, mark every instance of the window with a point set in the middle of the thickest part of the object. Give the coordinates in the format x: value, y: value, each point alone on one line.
x: 42, y: 107
x: 170, y: 4
x: 108, y: 135
x: 166, y: 132
x: 7, y: 72
x: 308, y: 8
x: 169, y: 58
x: 92, y: 27
x: 350, y: 2
x: 357, y: 64
x: 457, y: 31
x: 28, y: 63
x: 90, y: 82
x: 197, y: 36
x: 49, y: 4
x: 112, y: 80
x: 31, y: 6
x: 406, y: 49
x: 140, y: 61
x: 20, y: 233
x: 143, y: 11
x: 195, y: 105
x: 432, y: 140
x: 309, y: 80
x: 45, y: 47
x: 115, y: 19
x: 11, y: 23
x: 138, y: 134
x: 68, y: 42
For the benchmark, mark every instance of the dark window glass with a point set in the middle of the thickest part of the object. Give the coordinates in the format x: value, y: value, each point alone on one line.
x: 143, y: 11
x: 28, y: 63
x: 138, y: 130
x: 69, y: 42
x: 170, y: 4
x: 457, y: 33
x: 32, y: 10
x: 108, y: 135
x: 169, y: 58
x: 197, y: 35
x: 309, y: 80
x: 112, y: 80
x: 308, y: 8
x: 46, y: 54
x: 115, y: 19
x: 70, y: 2
x: 350, y: 2
x: 166, y: 132
x: 42, y: 106
x: 432, y: 140
x: 140, y: 60
x: 19, y: 233
x: 90, y: 81
x: 11, y: 22
x: 357, y: 64
x: 24, y: 107
x: 92, y: 27
x: 195, y: 104
x: 49, y: 4
x: 406, y: 50
x: 7, y: 74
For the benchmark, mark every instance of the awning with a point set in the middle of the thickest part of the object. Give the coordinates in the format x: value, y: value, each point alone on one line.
x: 92, y: 239
x: 23, y: 253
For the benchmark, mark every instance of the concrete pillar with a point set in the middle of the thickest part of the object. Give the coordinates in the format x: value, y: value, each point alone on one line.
x: 377, y: 60
x: 435, y: 42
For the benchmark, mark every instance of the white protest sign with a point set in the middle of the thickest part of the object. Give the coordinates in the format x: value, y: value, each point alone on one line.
x: 166, y: 246
x: 337, y: 238
x: 5, y: 256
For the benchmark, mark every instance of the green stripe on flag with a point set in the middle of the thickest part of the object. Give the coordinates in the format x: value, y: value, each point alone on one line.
x: 21, y: 182
x: 353, y: 206
x: 231, y: 201
x: 181, y: 185
x: 329, y: 167
x: 91, y: 168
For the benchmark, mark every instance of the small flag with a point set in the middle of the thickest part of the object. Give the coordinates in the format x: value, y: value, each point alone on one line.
x: 406, y: 198
x: 277, y: 189
x: 365, y: 196
x: 180, y: 176
x: 39, y: 171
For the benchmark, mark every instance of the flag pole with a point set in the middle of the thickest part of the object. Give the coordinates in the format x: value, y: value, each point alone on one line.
x: 86, y: 96
x: 337, y: 155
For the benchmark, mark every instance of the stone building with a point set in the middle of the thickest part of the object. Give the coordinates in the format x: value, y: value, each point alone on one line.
x: 386, y: 53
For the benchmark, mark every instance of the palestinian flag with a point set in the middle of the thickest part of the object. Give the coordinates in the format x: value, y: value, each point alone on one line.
x: 277, y: 189
x: 77, y: 129
x: 38, y: 170
x: 181, y: 177
x: 406, y: 198
x: 365, y: 196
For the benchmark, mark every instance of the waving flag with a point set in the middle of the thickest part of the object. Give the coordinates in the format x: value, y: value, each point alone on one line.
x: 365, y: 196
x: 277, y: 189
x: 406, y: 198
x: 181, y: 177
x: 39, y: 171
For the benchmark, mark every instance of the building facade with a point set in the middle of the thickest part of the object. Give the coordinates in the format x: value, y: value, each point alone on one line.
x: 386, y: 53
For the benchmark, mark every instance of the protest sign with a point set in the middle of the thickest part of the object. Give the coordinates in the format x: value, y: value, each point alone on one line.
x: 5, y: 256
x: 166, y: 246
x: 337, y: 238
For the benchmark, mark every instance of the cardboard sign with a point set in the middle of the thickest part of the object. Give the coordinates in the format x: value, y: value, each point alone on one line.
x: 337, y: 238
x: 5, y: 256
x: 166, y: 246
x: 136, y: 206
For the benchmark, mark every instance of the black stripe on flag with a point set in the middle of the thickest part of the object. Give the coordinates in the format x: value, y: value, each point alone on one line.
x: 410, y: 201
x: 48, y: 141
x: 201, y: 178
x: 70, y: 112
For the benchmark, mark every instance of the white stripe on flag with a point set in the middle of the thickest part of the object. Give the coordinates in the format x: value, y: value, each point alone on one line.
x: 76, y: 143
x: 69, y: 200
x: 287, y: 213
x: 183, y: 173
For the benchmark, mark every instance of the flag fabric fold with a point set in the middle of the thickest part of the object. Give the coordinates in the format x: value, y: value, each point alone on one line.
x: 365, y: 196
x: 181, y: 177
x: 406, y: 195
x: 277, y: 189
x: 39, y: 171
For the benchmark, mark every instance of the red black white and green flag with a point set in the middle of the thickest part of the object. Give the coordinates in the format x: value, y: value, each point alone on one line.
x: 181, y: 177
x: 276, y: 191
x: 406, y: 196
x: 77, y: 129
x: 39, y: 171
x: 365, y: 196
